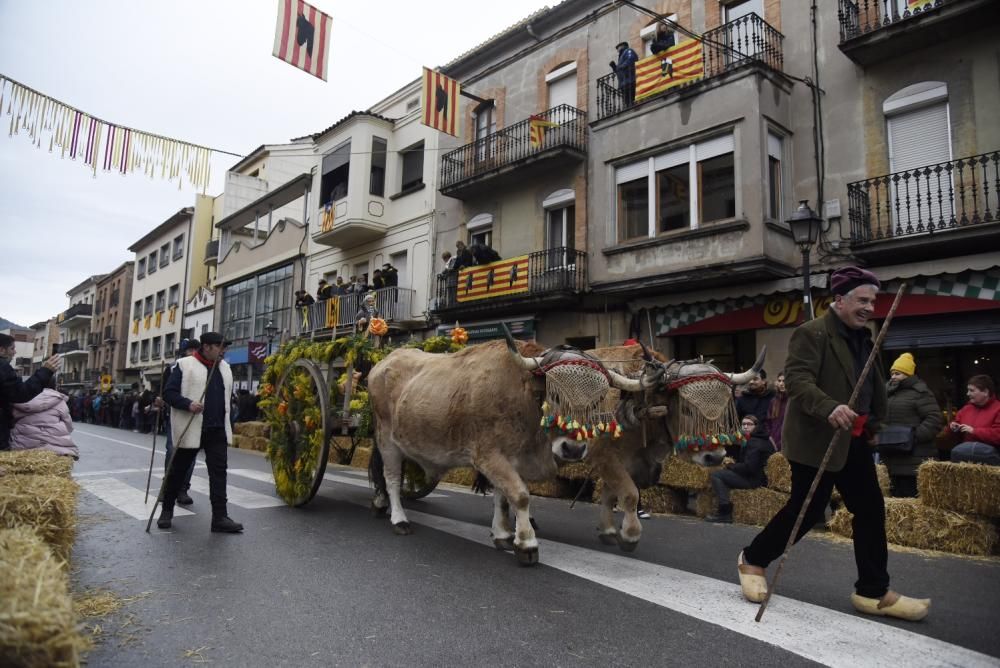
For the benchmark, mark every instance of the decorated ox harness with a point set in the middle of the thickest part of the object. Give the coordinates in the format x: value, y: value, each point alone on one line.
x: 706, y: 418
x: 575, y: 387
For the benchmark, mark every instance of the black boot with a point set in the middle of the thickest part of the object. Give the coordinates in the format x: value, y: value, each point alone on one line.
x: 224, y: 524
x: 165, y: 518
x: 184, y: 498
x: 723, y: 516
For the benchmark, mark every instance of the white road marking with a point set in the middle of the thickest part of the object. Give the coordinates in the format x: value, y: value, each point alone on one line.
x: 125, y: 498
x: 80, y: 474
x: 264, y: 476
x: 810, y: 631
x: 160, y: 438
x: 243, y: 498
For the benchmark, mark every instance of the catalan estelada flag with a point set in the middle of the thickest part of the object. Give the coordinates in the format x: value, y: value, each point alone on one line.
x: 439, y: 102
x: 302, y: 37
x: 677, y: 65
x: 496, y: 279
x: 537, y: 130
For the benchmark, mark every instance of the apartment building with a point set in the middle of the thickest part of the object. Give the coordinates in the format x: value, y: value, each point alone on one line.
x: 74, y: 329
x: 24, y: 345
x: 162, y: 264
x: 110, y: 325
x: 45, y: 333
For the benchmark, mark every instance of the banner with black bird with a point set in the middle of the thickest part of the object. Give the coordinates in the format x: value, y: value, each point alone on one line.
x: 439, y: 102
x: 302, y: 37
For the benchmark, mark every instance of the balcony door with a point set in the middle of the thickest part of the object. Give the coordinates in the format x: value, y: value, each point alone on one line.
x: 919, y: 134
x: 743, y: 37
x: 486, y: 126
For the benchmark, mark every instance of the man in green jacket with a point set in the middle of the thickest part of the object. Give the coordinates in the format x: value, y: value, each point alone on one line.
x: 825, y: 359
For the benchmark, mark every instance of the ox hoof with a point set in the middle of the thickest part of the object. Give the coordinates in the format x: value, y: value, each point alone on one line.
x: 526, y: 557
x: 379, y: 512
x: 627, y: 545
x: 402, y: 529
x: 505, y: 544
x: 608, y: 538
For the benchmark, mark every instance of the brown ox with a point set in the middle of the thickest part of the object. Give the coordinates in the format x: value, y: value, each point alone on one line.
x: 479, y: 407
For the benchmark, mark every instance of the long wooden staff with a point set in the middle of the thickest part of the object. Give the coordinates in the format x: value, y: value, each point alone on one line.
x: 829, y: 451
x: 156, y: 429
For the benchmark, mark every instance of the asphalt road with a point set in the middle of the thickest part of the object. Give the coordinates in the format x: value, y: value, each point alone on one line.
x: 329, y: 585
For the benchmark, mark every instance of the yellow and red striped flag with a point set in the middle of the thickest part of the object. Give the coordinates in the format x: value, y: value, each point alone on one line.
x: 913, y: 4
x: 439, y: 102
x: 302, y: 37
x: 537, y: 127
x: 677, y: 65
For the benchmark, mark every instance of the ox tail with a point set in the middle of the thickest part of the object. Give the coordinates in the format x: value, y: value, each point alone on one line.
x: 482, y: 484
x: 376, y: 471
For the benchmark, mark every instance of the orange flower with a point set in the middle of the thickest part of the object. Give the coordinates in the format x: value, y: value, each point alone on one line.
x: 283, y: 408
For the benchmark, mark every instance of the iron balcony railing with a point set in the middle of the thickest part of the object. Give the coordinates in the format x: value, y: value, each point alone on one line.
x: 94, y: 339
x: 70, y: 347
x: 748, y: 39
x: 926, y: 200
x: 859, y: 17
x: 83, y: 310
x: 393, y: 304
x: 552, y: 271
x: 109, y: 334
x: 512, y: 144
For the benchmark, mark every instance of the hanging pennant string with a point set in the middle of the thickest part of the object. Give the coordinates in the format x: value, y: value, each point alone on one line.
x: 100, y: 145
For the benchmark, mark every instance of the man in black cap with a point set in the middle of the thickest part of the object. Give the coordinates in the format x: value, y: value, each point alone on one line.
x: 624, y: 69
x: 198, y: 392
x: 825, y: 359
x: 324, y: 291
x: 186, y: 348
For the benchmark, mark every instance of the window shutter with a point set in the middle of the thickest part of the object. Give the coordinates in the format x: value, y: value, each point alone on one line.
x: 919, y: 138
x: 713, y: 147
x: 636, y: 170
x: 563, y: 91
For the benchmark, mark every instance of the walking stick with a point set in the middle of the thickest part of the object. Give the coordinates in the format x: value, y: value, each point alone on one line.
x: 829, y: 451
x: 170, y: 460
x: 156, y: 429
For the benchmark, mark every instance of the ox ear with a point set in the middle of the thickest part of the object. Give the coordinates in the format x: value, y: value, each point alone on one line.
x: 746, y: 376
x: 529, y: 363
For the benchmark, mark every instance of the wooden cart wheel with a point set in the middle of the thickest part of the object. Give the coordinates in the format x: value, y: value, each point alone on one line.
x: 297, y: 431
x: 416, y: 484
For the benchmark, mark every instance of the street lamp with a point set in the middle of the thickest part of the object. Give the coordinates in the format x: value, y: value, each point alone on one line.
x: 805, y: 226
x: 270, y: 331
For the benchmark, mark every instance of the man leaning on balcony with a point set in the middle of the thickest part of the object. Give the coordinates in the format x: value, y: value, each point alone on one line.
x: 624, y: 69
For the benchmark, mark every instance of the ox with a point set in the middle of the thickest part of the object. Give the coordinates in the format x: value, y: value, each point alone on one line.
x: 478, y: 407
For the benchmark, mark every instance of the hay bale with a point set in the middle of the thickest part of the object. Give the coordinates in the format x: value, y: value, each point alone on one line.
x: 757, y: 506
x: 553, y: 489
x: 239, y: 441
x: 259, y: 443
x: 911, y: 523
x: 965, y: 488
x: 779, y: 473
x: 662, y: 499
x: 252, y: 429
x: 36, y: 462
x: 46, y: 503
x: 361, y: 458
x: 705, y: 503
x: 574, y: 471
x: 463, y: 476
x: 38, y: 626
x: 685, y: 474
x: 779, y: 476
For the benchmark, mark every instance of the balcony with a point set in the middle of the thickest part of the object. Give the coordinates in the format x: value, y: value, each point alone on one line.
x: 93, y: 340
x: 746, y: 41
x: 340, y: 230
x: 212, y: 253
x: 875, y: 30
x: 76, y: 315
x: 330, y: 315
x: 72, y: 349
x: 509, y: 154
x: 543, y: 279
x: 941, y: 210
x: 109, y: 334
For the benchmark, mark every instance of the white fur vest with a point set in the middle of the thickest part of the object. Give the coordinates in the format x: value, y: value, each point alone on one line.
x: 193, y: 379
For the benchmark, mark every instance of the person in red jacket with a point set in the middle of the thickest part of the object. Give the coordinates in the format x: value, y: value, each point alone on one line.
x: 978, y: 423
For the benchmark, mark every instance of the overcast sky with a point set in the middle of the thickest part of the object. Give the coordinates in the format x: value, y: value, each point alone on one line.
x: 200, y: 71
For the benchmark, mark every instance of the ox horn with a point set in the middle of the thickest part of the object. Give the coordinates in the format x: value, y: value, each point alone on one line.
x: 645, y: 352
x: 741, y: 378
x: 624, y: 383
x: 529, y: 363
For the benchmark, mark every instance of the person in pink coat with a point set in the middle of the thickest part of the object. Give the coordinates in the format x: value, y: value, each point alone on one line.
x: 44, y: 423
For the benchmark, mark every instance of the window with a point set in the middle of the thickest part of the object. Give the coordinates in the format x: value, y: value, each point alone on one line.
x: 178, y: 247
x: 137, y: 310
x: 376, y: 182
x: 247, y: 306
x: 413, y: 167
x: 560, y: 227
x: 169, y: 345
x: 157, y: 353
x: 486, y: 125
x: 336, y: 170
x: 562, y: 85
x: 148, y: 307
x: 412, y: 104
x: 151, y: 265
x: 141, y: 271
x: 774, y: 176
x: 484, y: 237
x: 161, y: 300
x: 175, y: 293
x: 741, y: 33
x: 648, y: 35
x: 134, y: 353
x: 480, y: 229
x: 692, y: 185
x: 237, y: 310
x: 145, y: 350
x: 164, y: 255
x: 204, y: 328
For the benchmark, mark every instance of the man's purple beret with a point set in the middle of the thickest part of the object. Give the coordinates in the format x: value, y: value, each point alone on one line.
x: 845, y: 279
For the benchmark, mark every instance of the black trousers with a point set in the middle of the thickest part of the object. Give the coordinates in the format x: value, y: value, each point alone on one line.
x: 858, y: 484
x: 213, y: 442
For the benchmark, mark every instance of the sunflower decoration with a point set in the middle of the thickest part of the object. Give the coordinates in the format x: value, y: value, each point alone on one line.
x: 378, y: 327
x: 296, y: 435
x: 459, y: 335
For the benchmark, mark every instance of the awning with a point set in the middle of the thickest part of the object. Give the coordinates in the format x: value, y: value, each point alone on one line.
x: 954, y: 265
x: 947, y: 331
x: 273, y: 200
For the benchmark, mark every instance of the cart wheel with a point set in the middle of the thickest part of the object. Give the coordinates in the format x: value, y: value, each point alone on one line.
x: 416, y: 484
x: 297, y: 433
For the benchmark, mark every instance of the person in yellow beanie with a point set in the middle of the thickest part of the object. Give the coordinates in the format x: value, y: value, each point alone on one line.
x: 911, y: 405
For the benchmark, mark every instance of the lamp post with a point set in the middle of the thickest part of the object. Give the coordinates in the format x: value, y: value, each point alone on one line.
x: 805, y: 226
x: 270, y: 331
